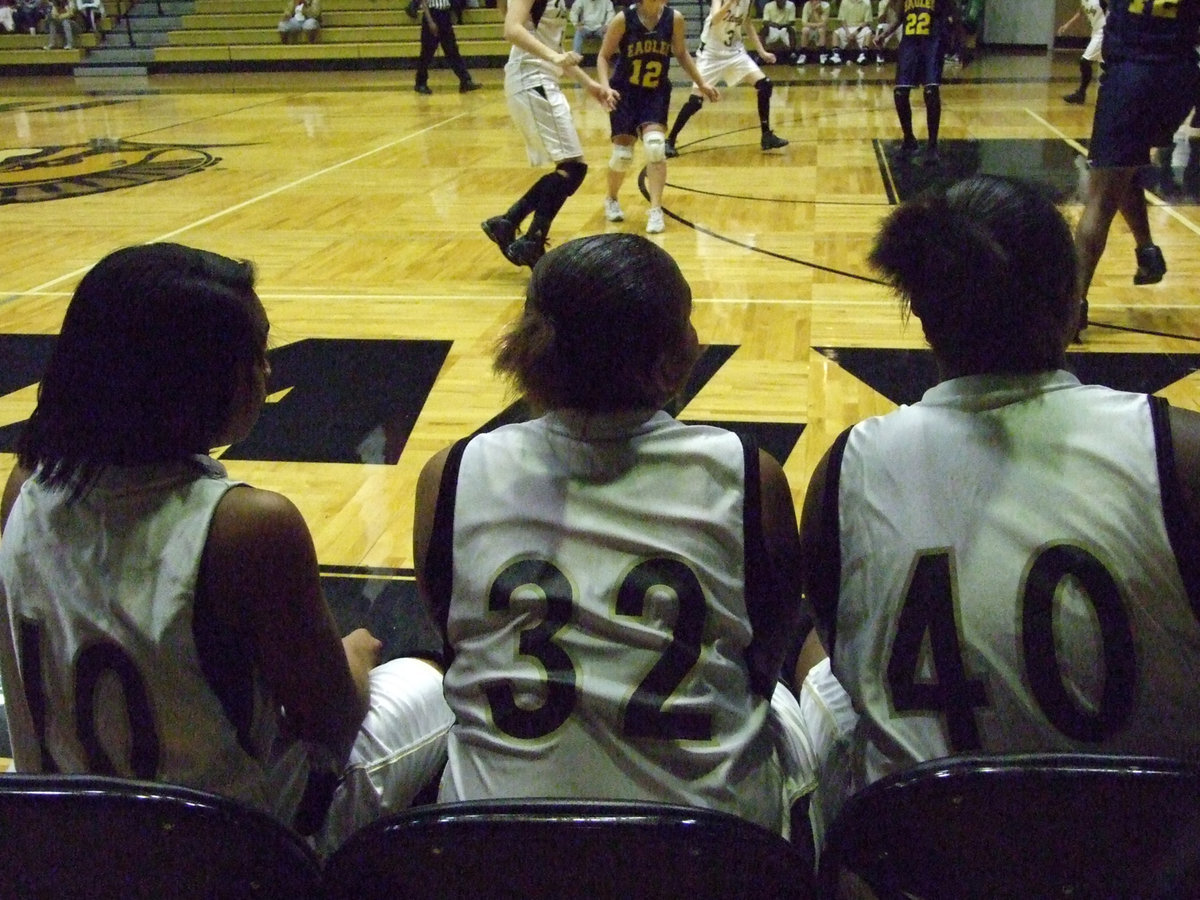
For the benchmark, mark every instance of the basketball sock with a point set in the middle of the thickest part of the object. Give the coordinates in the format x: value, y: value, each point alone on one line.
x: 689, y: 109
x: 1085, y: 74
x: 763, y: 87
x: 933, y: 112
x: 904, y: 111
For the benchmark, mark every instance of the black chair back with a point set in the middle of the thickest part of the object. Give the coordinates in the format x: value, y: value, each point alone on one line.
x: 1045, y: 825
x: 565, y: 848
x: 68, y: 836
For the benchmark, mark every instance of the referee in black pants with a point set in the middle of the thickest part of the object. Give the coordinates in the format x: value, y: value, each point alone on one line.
x: 437, y: 28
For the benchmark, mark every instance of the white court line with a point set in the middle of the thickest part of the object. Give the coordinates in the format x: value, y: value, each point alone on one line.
x: 271, y: 193
x: 1151, y: 197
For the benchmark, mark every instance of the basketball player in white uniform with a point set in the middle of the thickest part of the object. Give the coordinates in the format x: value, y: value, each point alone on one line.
x: 159, y: 620
x: 542, y: 115
x: 618, y: 589
x: 1012, y: 564
x: 1092, y: 53
x: 723, y: 57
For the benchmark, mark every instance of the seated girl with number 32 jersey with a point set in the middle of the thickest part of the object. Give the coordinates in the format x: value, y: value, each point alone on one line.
x: 1009, y: 565
x: 163, y: 621
x: 618, y: 589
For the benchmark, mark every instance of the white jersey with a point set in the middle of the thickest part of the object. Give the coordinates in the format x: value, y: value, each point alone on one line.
x: 100, y: 664
x: 598, y: 617
x: 1008, y: 581
x: 723, y: 39
x: 526, y: 71
x: 1094, y: 13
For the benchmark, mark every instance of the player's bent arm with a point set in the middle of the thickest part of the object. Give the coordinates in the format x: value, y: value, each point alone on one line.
x: 777, y: 628
x: 428, y: 487
x: 820, y: 576
x: 608, y: 48
x: 686, y: 61
x: 1185, y: 438
x: 259, y: 576
x: 17, y: 477
x: 516, y: 14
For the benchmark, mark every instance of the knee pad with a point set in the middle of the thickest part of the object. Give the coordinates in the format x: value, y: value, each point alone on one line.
x: 621, y: 159
x: 931, y: 92
x: 764, y: 87
x: 573, y: 171
x: 692, y: 104
x: 901, y: 93
x: 655, y: 145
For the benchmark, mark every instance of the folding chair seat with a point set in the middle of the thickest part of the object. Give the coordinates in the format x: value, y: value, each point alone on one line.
x: 97, y: 837
x: 1043, y: 825
x: 565, y: 848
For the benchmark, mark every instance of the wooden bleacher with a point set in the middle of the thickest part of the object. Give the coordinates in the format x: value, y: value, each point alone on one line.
x: 231, y: 34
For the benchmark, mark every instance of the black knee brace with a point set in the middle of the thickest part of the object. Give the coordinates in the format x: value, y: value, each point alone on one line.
x: 764, y: 87
x: 572, y: 172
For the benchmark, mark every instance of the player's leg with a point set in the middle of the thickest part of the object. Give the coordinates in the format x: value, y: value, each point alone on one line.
x: 690, y: 107
x: 933, y: 121
x: 655, y: 146
x: 769, y: 140
x: 400, y: 748
x: 619, y: 165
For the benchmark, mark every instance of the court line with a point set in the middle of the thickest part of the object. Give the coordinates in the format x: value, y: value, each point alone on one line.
x: 1151, y: 197
x: 264, y: 196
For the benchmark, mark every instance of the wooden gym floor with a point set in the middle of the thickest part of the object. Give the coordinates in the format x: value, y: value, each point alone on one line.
x: 360, y: 203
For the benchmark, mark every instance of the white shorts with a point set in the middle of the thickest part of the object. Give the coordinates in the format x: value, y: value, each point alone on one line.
x: 400, y: 748
x: 543, y: 117
x: 829, y: 720
x: 861, y: 35
x: 1092, y: 52
x: 807, y: 730
x: 731, y: 69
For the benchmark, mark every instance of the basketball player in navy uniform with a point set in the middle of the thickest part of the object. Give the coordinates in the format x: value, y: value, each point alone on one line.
x: 1148, y: 87
x: 618, y: 589
x: 643, y: 37
x: 924, y: 26
x: 1010, y: 565
x: 540, y: 110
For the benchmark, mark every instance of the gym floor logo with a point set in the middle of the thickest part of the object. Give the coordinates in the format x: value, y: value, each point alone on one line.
x: 100, y: 165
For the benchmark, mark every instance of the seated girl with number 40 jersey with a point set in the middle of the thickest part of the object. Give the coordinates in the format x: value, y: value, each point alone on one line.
x: 163, y: 621
x: 619, y: 590
x: 1011, y: 564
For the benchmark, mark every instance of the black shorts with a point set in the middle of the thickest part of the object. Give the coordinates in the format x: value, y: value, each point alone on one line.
x: 1140, y: 105
x: 638, y: 107
x: 919, y: 61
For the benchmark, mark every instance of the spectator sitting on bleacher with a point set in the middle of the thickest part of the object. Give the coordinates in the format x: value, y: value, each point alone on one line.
x: 300, y: 16
x: 854, y: 31
x: 778, y: 30
x: 61, y: 21
x: 30, y: 14
x: 93, y: 13
x: 814, y: 29
x: 8, y: 16
x: 590, y: 18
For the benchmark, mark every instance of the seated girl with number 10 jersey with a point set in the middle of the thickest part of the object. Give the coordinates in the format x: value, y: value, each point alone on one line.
x: 163, y: 621
x: 619, y: 590
x: 1010, y: 565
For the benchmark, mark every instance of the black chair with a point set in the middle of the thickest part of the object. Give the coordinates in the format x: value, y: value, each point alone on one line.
x: 1045, y: 825
x: 76, y: 836
x: 565, y: 848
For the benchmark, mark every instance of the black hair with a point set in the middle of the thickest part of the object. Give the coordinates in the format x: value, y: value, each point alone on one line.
x: 604, y: 317
x: 155, y: 343
x: 989, y: 267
